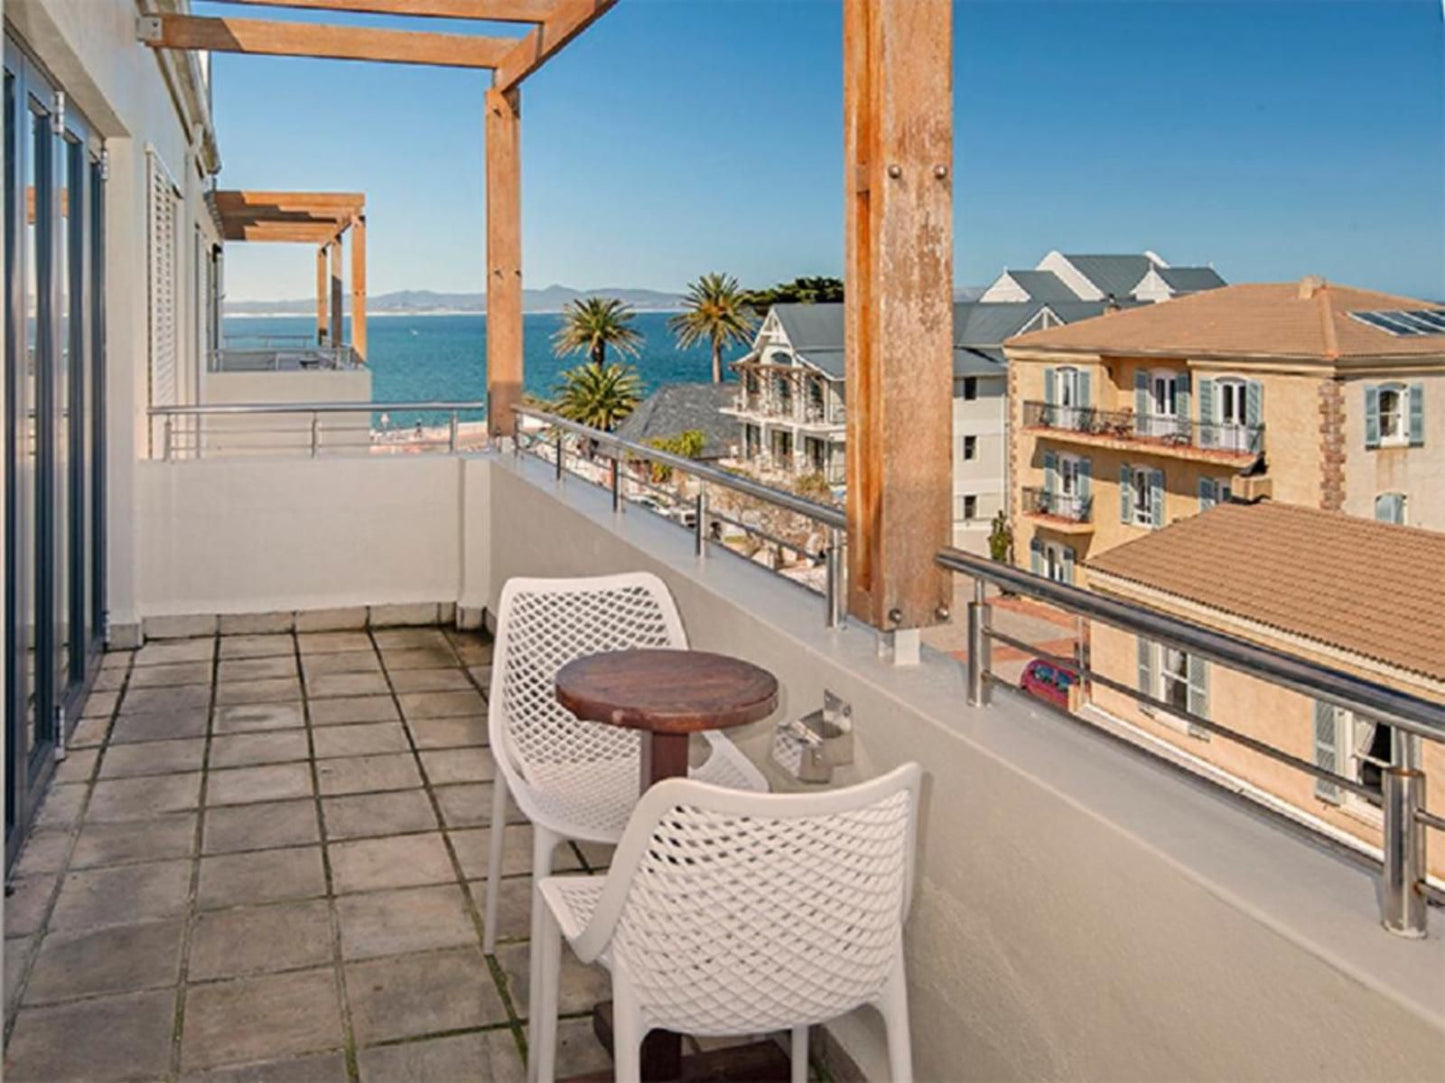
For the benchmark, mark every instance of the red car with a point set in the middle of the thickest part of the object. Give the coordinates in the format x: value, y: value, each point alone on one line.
x: 1049, y: 682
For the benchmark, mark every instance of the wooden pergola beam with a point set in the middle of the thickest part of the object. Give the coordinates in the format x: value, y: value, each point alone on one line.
x: 358, y: 287
x: 338, y: 205
x: 499, y: 11
x: 504, y: 259
x: 570, y: 18
x: 338, y: 323
x: 279, y: 232
x: 898, y: 307
x: 257, y: 36
x: 323, y: 325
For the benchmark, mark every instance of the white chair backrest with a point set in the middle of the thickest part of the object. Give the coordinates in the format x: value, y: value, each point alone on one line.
x: 542, y: 624
x: 737, y: 912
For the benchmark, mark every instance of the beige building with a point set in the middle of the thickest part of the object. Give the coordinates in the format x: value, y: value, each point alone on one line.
x: 1331, y: 588
x: 1314, y: 394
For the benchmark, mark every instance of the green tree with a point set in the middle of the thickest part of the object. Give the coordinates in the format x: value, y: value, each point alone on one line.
x: 1001, y: 539
x: 688, y: 444
x: 592, y: 324
x: 598, y: 395
x: 808, y: 290
x: 715, y: 309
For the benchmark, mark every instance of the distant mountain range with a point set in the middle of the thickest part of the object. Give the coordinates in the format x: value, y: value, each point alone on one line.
x: 415, y: 302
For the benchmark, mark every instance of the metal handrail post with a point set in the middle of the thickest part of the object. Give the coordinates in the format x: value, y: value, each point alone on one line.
x: 1403, y: 897
x: 980, y: 659
x: 315, y: 434
x: 166, y: 446
x: 616, y: 484
x: 452, y: 434
x: 700, y: 527
x: 835, y: 592
x: 559, y: 455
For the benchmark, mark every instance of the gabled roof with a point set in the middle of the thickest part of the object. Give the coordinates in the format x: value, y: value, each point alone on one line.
x: 1116, y: 275
x: 990, y: 323
x: 812, y: 326
x: 1347, y: 583
x: 676, y: 408
x: 1306, y: 320
x: 1043, y: 285
x: 1190, y: 279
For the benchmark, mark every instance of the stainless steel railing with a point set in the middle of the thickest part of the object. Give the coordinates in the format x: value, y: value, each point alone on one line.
x: 553, y: 437
x: 178, y: 440
x: 299, y: 358
x: 1404, y: 894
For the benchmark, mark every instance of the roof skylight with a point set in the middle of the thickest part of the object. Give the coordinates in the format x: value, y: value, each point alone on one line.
x: 1424, y: 321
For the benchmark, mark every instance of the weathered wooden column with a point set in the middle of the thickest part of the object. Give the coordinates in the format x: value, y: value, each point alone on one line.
x: 898, y: 157
x: 338, y: 325
x: 504, y: 260
x: 358, y: 286
x: 323, y: 330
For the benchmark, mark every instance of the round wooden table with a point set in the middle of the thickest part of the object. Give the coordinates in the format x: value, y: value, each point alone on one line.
x: 671, y: 695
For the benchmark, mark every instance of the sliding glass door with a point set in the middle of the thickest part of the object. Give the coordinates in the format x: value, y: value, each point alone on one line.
x: 54, y: 428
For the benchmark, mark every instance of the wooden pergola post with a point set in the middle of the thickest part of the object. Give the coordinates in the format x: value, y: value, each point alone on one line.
x: 898, y: 156
x: 358, y: 287
x: 323, y: 329
x: 504, y: 260
x: 338, y: 326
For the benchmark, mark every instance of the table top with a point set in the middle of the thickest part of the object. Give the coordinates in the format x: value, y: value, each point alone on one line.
x: 667, y: 691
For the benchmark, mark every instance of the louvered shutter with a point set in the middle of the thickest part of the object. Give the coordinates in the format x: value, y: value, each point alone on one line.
x: 1068, y: 565
x: 1327, y: 744
x: 162, y: 287
x: 1036, y: 555
x: 1126, y: 495
x: 1141, y: 396
x: 1083, y: 391
x: 1083, y: 479
x: 1051, y: 472
x: 1156, y: 497
x: 1181, y: 400
x: 1051, y: 387
x: 1253, y: 403
x: 1208, y: 493
x: 1198, y: 694
x: 1372, y: 417
x: 1417, y: 415
x: 1145, y: 666
x: 1207, y: 435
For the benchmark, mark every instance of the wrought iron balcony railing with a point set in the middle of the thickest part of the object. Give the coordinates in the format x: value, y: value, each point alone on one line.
x: 1070, y: 506
x: 1146, y: 428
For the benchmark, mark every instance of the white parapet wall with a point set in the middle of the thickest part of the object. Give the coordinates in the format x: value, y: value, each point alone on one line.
x: 257, y: 535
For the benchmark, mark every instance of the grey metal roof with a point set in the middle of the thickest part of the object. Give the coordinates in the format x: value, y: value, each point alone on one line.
x: 815, y: 326
x: 1117, y: 275
x: 989, y: 323
x: 676, y: 408
x: 974, y: 362
x: 1191, y: 279
x: 1043, y: 285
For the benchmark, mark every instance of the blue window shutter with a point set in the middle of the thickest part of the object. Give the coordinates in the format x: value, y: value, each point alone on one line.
x: 1051, y: 386
x: 1372, y: 417
x: 1126, y: 494
x: 1051, y: 472
x: 1086, y: 470
x: 1253, y: 403
x: 1327, y: 745
x: 1206, y: 412
x: 1146, y: 665
x: 1036, y: 555
x: 1083, y: 393
x: 1069, y: 565
x: 1417, y: 415
x: 1156, y: 497
x: 1208, y: 494
x: 1383, y: 509
x: 1181, y: 396
x: 1141, y: 394
x: 1198, y: 693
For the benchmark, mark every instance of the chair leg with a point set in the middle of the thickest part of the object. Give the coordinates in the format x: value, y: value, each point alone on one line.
x: 800, y: 1054
x: 627, y: 1035
x: 894, y: 1006
x: 542, y: 1028
x: 494, y: 864
x: 543, y: 843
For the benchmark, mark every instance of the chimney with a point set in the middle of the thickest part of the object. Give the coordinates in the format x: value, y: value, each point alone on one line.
x: 1310, y: 285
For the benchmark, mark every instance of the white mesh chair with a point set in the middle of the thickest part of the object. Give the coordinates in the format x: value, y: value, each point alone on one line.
x: 730, y: 913
x: 574, y: 779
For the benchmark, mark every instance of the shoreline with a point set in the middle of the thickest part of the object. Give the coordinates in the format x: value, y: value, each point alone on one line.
x: 428, y: 312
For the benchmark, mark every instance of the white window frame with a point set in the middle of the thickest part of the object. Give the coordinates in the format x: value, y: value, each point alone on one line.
x: 970, y: 515
x: 1401, y: 393
x: 1404, y: 505
x: 1054, y: 561
x: 1068, y: 474
x: 968, y: 448
x: 1143, y: 506
x: 1353, y: 754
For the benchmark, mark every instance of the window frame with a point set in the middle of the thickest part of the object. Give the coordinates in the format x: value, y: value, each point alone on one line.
x: 1143, y: 505
x: 1401, y: 414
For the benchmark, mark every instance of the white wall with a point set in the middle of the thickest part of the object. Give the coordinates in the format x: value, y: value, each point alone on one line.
x: 269, y: 432
x: 1081, y: 912
x: 267, y: 535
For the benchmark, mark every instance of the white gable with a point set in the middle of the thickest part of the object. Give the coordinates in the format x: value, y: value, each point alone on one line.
x: 1005, y: 289
x: 1071, y: 276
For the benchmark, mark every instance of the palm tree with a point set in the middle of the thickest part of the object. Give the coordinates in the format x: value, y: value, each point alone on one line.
x: 598, y: 395
x: 714, y: 309
x: 591, y: 325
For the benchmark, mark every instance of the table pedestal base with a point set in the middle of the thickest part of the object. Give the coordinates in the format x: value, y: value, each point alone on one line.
x: 756, y: 1062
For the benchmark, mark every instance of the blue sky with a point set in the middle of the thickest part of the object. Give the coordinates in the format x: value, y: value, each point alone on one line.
x: 1271, y: 138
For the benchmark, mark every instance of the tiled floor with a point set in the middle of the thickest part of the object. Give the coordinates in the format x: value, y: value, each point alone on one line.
x: 263, y: 860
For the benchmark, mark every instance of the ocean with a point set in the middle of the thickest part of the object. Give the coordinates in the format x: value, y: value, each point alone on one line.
x: 419, y: 358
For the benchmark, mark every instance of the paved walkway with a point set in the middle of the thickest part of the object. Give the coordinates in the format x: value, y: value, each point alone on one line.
x: 269, y: 851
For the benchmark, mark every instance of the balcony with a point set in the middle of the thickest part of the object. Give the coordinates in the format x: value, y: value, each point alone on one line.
x: 332, y: 812
x: 1172, y: 437
x: 302, y: 355
x: 1066, y: 513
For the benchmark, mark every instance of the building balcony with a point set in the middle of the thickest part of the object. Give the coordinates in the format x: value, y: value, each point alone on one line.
x: 324, y: 781
x: 1172, y: 437
x: 299, y: 356
x: 1066, y: 513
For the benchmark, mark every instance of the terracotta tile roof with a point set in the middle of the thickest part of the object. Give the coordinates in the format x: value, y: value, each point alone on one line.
x: 1306, y: 319
x: 1354, y: 584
